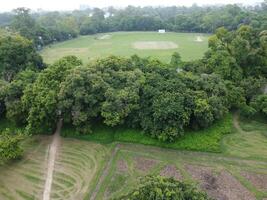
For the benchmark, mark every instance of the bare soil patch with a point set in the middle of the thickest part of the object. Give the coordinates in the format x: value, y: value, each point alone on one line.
x: 144, y: 164
x: 258, y: 180
x: 199, y: 39
x: 171, y: 171
x: 122, y: 166
x: 155, y: 45
x: 222, y: 186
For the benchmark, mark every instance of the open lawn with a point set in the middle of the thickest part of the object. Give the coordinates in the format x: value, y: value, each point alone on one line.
x: 88, y: 169
x: 190, y: 45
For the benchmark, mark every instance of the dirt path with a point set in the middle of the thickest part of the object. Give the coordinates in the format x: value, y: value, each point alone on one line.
x: 236, y: 124
x: 51, y: 162
x: 104, y: 174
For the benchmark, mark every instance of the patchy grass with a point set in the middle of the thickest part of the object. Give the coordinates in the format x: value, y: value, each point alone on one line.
x: 77, y: 165
x: 203, y: 140
x: 219, y: 165
x: 80, y: 164
x: 24, y: 179
x: 258, y: 123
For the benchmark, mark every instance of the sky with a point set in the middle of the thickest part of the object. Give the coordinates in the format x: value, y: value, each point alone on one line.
x: 7, y: 5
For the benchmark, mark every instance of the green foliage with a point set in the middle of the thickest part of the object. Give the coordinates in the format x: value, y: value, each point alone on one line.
x: 10, y: 146
x: 176, y: 59
x: 16, y: 54
x: 13, y: 93
x: 3, y: 85
x: 238, y: 54
x: 157, y: 187
x: 208, y: 139
x: 260, y: 104
x: 41, y: 98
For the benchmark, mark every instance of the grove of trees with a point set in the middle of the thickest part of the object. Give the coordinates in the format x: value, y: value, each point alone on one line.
x: 136, y: 92
x: 47, y: 27
x: 141, y: 92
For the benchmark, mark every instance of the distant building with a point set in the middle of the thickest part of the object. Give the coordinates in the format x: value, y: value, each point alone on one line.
x: 84, y: 7
x: 162, y: 31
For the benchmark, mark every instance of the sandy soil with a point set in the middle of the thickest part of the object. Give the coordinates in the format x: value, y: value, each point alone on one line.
x: 155, y: 45
x: 51, y: 162
x: 144, y: 164
x: 122, y: 166
x: 258, y: 180
x: 171, y: 171
x: 222, y: 186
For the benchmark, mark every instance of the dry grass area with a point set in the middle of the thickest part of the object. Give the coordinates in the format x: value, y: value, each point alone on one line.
x: 219, y: 175
x: 76, y: 165
x: 145, y: 165
x: 171, y: 171
x: 85, y: 170
x: 258, y: 180
x: 24, y: 179
x: 221, y: 185
x: 155, y: 45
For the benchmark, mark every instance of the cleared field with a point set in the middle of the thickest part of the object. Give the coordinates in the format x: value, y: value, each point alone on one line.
x: 76, y: 167
x: 155, y: 45
x: 90, y: 170
x: 190, y: 45
x: 239, y: 173
x: 24, y: 179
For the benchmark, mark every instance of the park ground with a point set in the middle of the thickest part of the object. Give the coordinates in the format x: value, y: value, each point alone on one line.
x: 161, y: 46
x: 87, y: 169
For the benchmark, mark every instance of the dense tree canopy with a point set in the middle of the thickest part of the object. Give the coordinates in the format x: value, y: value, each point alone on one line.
x: 16, y: 54
x: 157, y: 187
x: 159, y: 98
x: 40, y: 99
x: 135, y: 92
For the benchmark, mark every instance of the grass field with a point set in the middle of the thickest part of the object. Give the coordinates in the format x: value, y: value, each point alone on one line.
x: 87, y: 168
x: 144, y: 44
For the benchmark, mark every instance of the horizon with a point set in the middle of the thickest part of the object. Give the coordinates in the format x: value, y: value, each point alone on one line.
x: 50, y: 5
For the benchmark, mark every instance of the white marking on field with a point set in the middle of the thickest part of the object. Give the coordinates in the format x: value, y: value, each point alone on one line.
x: 155, y: 45
x: 199, y: 39
x: 104, y: 37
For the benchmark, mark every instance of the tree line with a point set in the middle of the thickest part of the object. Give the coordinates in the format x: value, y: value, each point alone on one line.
x: 48, y: 27
x: 135, y: 92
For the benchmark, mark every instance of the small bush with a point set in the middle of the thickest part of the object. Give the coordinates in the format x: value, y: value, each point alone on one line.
x: 157, y: 187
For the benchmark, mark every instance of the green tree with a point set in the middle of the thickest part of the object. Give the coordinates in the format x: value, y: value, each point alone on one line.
x: 10, y: 148
x: 81, y: 96
x: 176, y: 59
x: 259, y: 103
x: 23, y: 22
x: 16, y: 54
x: 41, y: 99
x: 13, y: 93
x: 157, y: 187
